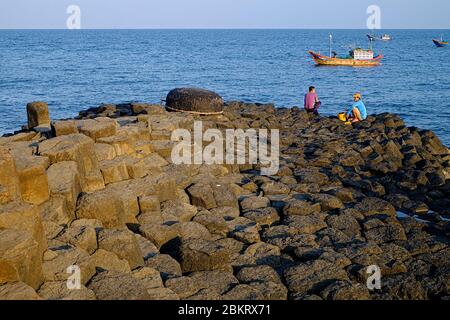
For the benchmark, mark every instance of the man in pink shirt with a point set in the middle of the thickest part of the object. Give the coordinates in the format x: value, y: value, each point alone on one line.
x: 312, y: 103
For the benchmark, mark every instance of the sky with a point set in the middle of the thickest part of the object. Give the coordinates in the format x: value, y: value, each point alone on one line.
x: 131, y: 14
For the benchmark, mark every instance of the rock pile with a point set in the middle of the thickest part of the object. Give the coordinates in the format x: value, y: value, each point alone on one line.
x: 103, y: 195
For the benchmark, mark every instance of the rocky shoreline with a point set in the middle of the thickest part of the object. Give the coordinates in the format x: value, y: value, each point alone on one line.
x: 100, y: 192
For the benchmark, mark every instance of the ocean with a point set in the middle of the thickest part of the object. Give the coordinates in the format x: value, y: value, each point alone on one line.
x: 77, y: 69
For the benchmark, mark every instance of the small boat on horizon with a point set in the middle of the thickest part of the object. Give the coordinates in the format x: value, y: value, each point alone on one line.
x: 384, y: 37
x: 357, y: 57
x: 440, y: 43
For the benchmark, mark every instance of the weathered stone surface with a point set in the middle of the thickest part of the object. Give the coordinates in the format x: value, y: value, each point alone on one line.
x: 183, y: 286
x: 344, y: 290
x: 98, y: 128
x: 20, y: 258
x: 253, y: 203
x: 217, y: 281
x: 18, y: 216
x: 83, y: 237
x: 313, y: 276
x: 213, y: 222
x: 258, y: 274
x: 55, y: 216
x: 307, y: 224
x: 104, y: 151
x: 33, y: 181
x: 64, y: 180
x: 38, y: 114
x: 178, y: 210
x: 244, y: 230
x: 57, y: 290
x: 62, y: 128
x: 300, y: 208
x: 124, y: 244
x: 9, y: 182
x: 78, y: 148
x: 202, y: 255
x: 196, y: 100
x: 158, y: 233
x: 149, y: 277
x: 17, y: 291
x: 57, y: 260
x: 165, y: 264
x: 328, y: 202
x: 111, y: 285
x: 202, y: 195
x: 114, y: 170
x: 316, y: 226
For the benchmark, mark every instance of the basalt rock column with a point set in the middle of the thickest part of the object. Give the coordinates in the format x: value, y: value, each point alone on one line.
x: 38, y: 115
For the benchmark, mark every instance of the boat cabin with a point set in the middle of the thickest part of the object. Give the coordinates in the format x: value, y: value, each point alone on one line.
x: 361, y: 54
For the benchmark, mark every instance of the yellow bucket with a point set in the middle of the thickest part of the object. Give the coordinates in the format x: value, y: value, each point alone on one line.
x: 342, y: 116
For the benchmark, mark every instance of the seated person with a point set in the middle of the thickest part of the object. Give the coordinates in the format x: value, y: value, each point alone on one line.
x: 312, y: 103
x: 357, y: 111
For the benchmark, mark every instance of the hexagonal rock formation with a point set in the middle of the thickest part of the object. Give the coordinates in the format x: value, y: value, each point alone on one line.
x: 194, y: 100
x: 38, y: 114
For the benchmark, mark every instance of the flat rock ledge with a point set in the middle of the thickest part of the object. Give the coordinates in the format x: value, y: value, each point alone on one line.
x: 99, y: 192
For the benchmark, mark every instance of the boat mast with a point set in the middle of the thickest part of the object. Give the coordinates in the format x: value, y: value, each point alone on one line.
x: 331, y: 40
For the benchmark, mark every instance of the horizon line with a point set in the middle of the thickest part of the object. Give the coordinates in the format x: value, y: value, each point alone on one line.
x: 219, y: 28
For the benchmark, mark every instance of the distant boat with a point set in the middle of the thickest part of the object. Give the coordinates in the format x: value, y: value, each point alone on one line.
x: 440, y: 43
x: 357, y: 58
x: 384, y: 37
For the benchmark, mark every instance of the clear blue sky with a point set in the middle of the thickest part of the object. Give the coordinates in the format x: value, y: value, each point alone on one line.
x: 416, y: 14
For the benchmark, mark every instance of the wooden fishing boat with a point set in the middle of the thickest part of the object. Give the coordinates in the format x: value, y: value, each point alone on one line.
x: 440, y: 43
x: 357, y: 58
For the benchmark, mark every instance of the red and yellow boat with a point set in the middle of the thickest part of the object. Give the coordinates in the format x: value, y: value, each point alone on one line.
x: 357, y: 58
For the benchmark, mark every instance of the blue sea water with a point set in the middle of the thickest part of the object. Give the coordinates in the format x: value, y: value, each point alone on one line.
x: 75, y: 70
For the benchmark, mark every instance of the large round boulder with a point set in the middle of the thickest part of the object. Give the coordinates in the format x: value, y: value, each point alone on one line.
x: 194, y: 100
